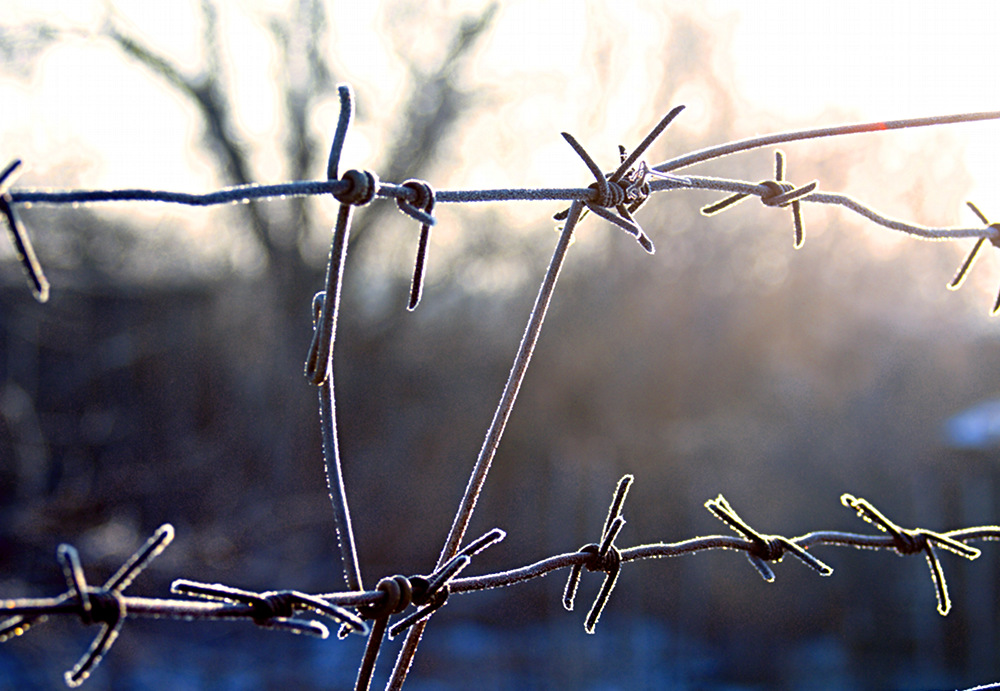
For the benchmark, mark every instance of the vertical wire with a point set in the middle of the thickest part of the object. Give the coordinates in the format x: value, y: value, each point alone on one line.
x: 327, y: 322
x: 335, y: 484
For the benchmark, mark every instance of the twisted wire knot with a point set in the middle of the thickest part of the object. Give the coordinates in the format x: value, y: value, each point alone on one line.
x: 106, y: 607
x: 777, y: 193
x: 608, y: 195
x: 397, y: 594
x: 363, y: 187
x: 608, y: 562
x: 273, y: 605
x: 770, y: 548
x: 763, y: 548
x: 910, y: 541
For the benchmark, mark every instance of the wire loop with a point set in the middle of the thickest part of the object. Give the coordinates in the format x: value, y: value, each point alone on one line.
x: 363, y: 187
x: 419, y: 208
x: 397, y: 595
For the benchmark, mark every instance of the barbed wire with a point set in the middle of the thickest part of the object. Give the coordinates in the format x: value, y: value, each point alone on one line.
x: 108, y: 606
x: 409, y: 196
x: 615, y: 197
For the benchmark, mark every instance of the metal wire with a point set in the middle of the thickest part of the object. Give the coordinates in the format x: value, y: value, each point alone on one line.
x: 276, y: 609
x: 615, y: 197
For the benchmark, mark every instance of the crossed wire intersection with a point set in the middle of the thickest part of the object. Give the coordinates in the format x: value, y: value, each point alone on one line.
x: 615, y: 197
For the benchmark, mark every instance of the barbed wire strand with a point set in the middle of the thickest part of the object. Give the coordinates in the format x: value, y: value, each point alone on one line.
x: 109, y: 607
x: 624, y: 190
x: 409, y: 197
x: 234, y: 195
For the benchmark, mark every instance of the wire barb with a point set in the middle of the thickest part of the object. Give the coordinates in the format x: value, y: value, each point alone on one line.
x: 276, y: 609
x: 913, y: 542
x: 627, y: 188
x: 763, y: 548
x: 993, y: 237
x: 604, y: 556
x: 777, y: 193
x: 22, y: 243
x: 104, y: 605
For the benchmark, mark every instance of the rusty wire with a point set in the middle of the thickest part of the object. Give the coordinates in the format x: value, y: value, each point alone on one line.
x: 614, y: 197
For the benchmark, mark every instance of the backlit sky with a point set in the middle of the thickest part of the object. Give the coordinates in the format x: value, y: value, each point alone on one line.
x: 881, y: 60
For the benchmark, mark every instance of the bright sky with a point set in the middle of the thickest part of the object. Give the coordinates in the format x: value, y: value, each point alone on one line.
x: 876, y: 60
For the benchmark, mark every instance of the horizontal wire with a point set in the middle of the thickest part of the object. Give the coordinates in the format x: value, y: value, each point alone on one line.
x: 928, y: 233
x: 246, y: 193
x: 147, y: 607
x: 698, y: 544
x: 302, y: 188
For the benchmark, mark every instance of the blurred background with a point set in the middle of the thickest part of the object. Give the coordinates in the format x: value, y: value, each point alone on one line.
x: 163, y: 380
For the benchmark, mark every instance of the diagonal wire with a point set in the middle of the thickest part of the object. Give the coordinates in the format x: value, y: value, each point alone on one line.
x: 493, y: 435
x: 750, y: 143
